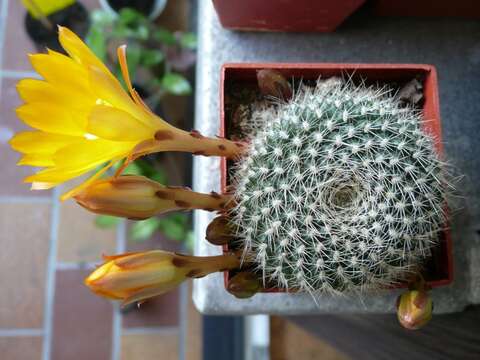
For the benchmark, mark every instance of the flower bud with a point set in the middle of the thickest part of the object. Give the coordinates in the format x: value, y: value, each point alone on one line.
x: 134, y: 277
x: 137, y: 197
x: 273, y: 83
x: 414, y: 309
x: 219, y: 231
x: 244, y: 285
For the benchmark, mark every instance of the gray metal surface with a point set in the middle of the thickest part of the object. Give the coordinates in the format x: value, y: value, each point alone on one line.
x: 453, y: 46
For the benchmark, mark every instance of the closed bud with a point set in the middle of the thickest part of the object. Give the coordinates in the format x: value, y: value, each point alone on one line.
x: 244, y: 285
x: 272, y: 83
x: 135, y: 277
x: 414, y: 309
x: 137, y: 197
x: 219, y: 231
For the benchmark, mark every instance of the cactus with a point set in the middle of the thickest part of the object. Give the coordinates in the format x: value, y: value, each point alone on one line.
x: 340, y: 189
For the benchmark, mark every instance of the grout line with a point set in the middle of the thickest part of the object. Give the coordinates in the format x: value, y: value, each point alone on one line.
x: 76, y: 266
x: 151, y: 330
x: 14, y: 74
x: 183, y: 321
x: 48, y: 312
x: 20, y: 332
x: 117, y: 315
x: 25, y: 199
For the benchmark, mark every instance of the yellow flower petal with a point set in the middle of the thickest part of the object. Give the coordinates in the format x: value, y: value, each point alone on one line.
x: 42, y: 185
x: 77, y: 49
x: 34, y: 91
x: 110, y: 91
x: 36, y: 160
x: 50, y: 118
x: 89, y: 153
x: 59, y: 69
x: 114, y: 124
x: 75, y: 190
x: 39, y: 142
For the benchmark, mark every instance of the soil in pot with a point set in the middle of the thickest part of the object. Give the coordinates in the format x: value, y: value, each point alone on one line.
x: 145, y: 6
x: 75, y: 17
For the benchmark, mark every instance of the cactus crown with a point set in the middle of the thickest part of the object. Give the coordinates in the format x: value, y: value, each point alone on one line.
x: 340, y: 190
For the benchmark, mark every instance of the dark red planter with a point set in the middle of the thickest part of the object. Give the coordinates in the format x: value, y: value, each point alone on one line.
x: 284, y: 15
x: 440, y: 265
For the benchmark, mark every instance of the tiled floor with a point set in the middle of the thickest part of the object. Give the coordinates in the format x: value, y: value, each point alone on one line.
x: 47, y: 248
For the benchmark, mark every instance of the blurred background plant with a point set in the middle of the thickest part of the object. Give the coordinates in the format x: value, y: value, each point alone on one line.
x: 158, y: 62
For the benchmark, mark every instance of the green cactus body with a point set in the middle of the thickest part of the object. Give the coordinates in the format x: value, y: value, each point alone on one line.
x: 341, y: 190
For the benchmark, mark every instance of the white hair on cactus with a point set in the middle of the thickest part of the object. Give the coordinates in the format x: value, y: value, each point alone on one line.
x: 340, y: 190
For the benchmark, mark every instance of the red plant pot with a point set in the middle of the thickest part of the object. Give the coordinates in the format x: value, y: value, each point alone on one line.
x: 440, y: 265
x: 285, y: 15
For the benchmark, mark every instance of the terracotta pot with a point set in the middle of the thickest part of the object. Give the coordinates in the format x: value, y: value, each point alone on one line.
x: 285, y: 15
x: 439, y: 268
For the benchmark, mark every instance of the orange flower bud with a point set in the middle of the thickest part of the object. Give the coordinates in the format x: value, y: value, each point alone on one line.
x: 219, y: 231
x: 137, y: 197
x: 414, y: 309
x: 134, y: 277
x: 244, y: 285
x: 273, y: 83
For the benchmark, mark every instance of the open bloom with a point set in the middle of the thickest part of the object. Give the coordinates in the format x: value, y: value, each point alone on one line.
x: 134, y: 277
x: 85, y: 119
x: 137, y: 197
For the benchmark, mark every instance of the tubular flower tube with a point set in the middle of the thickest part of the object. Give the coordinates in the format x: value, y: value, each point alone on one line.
x: 135, y: 277
x: 83, y: 119
x: 137, y: 197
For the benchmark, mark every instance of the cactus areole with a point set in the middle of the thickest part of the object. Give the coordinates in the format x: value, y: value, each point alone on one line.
x: 342, y: 188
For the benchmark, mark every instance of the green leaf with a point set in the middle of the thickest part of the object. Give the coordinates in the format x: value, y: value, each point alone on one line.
x: 188, y: 40
x: 164, y: 36
x: 143, y: 230
x: 152, y: 57
x: 129, y: 16
x: 132, y: 169
x: 180, y: 218
x: 97, y: 42
x: 176, y: 84
x: 106, y: 221
x: 171, y: 229
x: 134, y: 54
x: 142, y: 32
x: 101, y: 18
x: 189, y: 241
x: 159, y: 177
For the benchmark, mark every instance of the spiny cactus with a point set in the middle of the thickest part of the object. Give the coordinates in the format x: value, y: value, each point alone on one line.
x: 340, y: 189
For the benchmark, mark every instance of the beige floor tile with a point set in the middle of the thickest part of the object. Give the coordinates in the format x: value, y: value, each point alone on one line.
x: 290, y: 342
x: 21, y: 348
x: 150, y: 346
x: 25, y: 241
x: 193, y: 343
x: 79, y: 239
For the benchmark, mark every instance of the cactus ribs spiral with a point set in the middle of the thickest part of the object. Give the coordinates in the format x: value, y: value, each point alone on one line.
x: 340, y: 189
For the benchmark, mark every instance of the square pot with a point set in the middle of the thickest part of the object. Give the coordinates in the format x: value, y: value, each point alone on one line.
x: 440, y: 265
x: 285, y: 15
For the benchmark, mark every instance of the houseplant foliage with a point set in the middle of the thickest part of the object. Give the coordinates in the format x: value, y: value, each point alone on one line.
x: 158, y: 62
x: 336, y: 187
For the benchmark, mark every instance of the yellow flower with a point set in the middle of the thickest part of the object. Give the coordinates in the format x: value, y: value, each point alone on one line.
x: 137, y: 197
x: 84, y: 119
x: 134, y: 277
